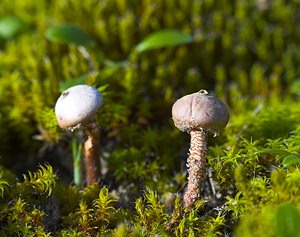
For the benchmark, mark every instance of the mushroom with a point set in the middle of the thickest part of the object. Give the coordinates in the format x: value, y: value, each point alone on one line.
x: 74, y: 108
x: 198, y: 114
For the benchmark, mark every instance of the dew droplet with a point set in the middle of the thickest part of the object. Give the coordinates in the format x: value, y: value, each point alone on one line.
x: 215, y: 134
x: 72, y: 129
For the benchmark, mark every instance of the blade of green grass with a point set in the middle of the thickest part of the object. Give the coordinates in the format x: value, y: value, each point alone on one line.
x: 163, y: 38
x: 67, y: 33
x: 10, y: 26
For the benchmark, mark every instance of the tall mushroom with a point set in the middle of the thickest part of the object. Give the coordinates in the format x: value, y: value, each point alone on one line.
x: 74, y: 108
x: 198, y: 114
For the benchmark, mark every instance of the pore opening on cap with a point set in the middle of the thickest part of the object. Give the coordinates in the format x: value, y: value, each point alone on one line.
x: 203, y: 92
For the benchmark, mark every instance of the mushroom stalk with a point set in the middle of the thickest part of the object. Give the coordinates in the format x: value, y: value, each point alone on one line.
x: 76, y: 107
x: 197, y: 114
x: 196, y: 167
x: 91, y: 151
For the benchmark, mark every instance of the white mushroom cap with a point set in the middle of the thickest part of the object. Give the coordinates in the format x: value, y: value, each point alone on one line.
x: 77, y: 105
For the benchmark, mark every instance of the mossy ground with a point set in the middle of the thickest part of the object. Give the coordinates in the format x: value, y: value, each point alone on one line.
x: 245, y: 52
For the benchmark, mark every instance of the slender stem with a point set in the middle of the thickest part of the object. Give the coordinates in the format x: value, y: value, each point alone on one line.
x: 87, y: 56
x: 76, y: 152
x: 196, y: 167
x: 91, y: 151
x: 211, y: 183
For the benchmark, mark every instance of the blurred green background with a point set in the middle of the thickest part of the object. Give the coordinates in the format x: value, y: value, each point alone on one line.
x: 243, y: 51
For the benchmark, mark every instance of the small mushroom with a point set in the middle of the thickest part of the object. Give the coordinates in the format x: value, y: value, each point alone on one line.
x: 198, y: 114
x: 74, y: 108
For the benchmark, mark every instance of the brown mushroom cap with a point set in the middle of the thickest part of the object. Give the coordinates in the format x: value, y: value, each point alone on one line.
x: 200, y: 111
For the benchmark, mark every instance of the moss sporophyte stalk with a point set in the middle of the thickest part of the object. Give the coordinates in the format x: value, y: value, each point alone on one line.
x: 198, y: 114
x: 74, y: 108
